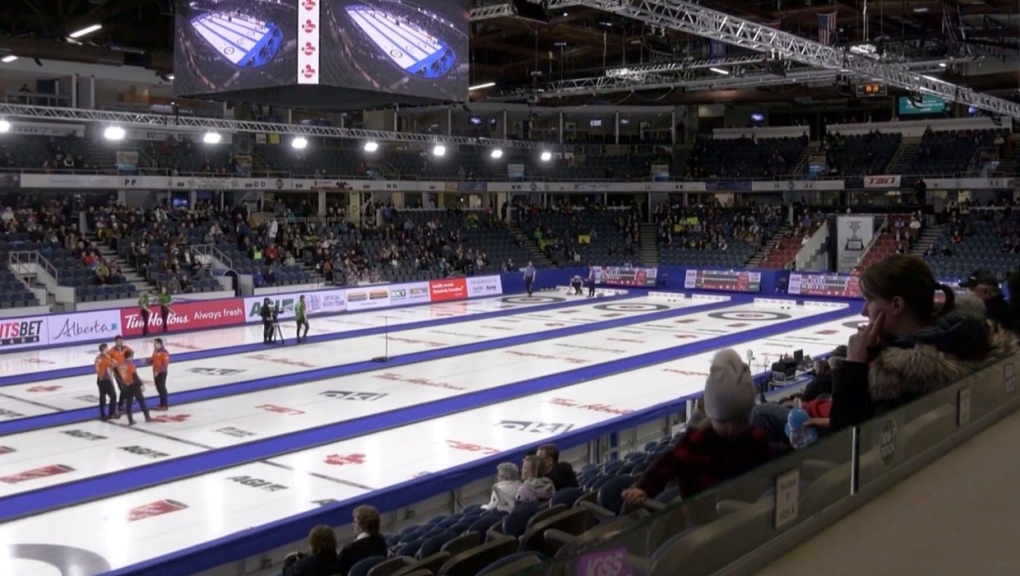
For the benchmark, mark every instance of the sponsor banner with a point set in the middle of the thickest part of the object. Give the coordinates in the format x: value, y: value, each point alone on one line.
x: 187, y: 316
x: 22, y: 332
x: 64, y: 329
x: 853, y: 236
x: 889, y: 182
x: 308, y: 41
x: 368, y: 297
x: 403, y: 294
x: 93, y: 182
x: 318, y: 302
x: 448, y: 289
x: 798, y: 185
x: 484, y: 286
x: 824, y: 285
x: 620, y: 276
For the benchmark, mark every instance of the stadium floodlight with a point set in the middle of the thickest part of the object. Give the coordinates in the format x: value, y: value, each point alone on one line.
x: 481, y: 86
x: 5, y: 126
x: 371, y: 146
x: 212, y: 138
x: 85, y: 31
x: 8, y: 59
x: 439, y: 150
x: 299, y: 143
x: 497, y: 153
x: 546, y: 156
x: 722, y: 71
x: 114, y: 133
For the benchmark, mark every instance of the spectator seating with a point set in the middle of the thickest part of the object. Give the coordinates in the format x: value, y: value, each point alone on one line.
x: 894, y: 237
x: 721, y: 238
x: 947, y: 153
x: 861, y: 154
x: 981, y: 241
x: 573, y: 236
x: 746, y: 157
x: 13, y: 292
x: 42, y: 153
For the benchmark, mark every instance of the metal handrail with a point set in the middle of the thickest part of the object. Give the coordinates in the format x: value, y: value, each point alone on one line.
x: 213, y: 252
x: 33, y: 257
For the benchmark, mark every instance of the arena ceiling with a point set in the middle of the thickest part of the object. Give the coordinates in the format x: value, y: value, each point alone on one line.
x: 567, y: 59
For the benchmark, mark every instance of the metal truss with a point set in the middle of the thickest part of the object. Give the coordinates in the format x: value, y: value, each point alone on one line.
x: 169, y: 122
x: 683, y: 65
x: 507, y: 10
x: 693, y: 19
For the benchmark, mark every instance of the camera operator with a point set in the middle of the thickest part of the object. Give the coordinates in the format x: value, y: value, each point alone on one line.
x: 266, y: 312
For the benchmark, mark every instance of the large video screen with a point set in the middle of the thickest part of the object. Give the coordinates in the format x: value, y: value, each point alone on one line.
x: 405, y: 47
x: 227, y: 45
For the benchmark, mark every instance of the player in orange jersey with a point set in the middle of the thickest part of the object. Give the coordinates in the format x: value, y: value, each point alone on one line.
x: 160, y: 361
x: 104, y: 379
x: 132, y: 387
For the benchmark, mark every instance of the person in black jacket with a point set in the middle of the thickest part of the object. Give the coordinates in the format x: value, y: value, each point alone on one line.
x: 986, y: 286
x: 909, y: 349
x: 266, y: 312
x: 561, y: 473
x: 369, y: 542
x: 322, y: 561
x: 1013, y: 285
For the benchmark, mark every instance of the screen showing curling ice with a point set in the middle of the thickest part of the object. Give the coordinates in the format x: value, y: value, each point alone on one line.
x: 418, y: 48
x: 225, y: 45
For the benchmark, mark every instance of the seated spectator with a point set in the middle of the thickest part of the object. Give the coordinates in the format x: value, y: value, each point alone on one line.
x: 504, y: 491
x: 369, y: 542
x: 985, y: 285
x: 561, y: 473
x: 535, y: 487
x: 723, y: 446
x: 322, y: 561
x: 908, y: 349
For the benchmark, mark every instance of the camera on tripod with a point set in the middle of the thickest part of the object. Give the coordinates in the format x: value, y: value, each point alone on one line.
x: 276, y: 312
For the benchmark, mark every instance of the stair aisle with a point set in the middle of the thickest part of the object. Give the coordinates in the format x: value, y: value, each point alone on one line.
x: 649, y: 245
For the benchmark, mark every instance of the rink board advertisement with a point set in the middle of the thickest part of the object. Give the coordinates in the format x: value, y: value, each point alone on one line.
x: 104, y: 325
x: 625, y: 276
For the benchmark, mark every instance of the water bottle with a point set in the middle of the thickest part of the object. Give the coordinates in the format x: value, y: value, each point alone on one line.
x: 800, y: 435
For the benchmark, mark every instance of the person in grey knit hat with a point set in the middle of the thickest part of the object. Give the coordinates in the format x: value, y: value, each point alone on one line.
x: 723, y: 446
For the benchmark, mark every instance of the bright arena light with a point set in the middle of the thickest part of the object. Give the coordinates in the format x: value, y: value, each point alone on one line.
x: 5, y: 126
x: 497, y: 153
x: 439, y: 150
x: 212, y: 138
x: 371, y: 146
x: 299, y: 143
x: 114, y: 133
x: 546, y: 156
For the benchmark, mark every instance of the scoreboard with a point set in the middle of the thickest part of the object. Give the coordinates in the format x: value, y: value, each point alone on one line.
x: 871, y: 90
x: 824, y: 285
x: 723, y: 280
x: 625, y: 276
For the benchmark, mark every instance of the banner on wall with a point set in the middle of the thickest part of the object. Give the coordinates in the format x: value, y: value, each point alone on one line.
x: 404, y: 294
x: 187, y: 316
x: 448, y: 289
x: 853, y: 235
x: 317, y: 302
x: 478, y: 286
x: 625, y: 276
x: 368, y: 298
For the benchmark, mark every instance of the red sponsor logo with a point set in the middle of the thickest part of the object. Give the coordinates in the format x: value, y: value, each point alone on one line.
x: 308, y: 71
x: 417, y: 381
x: 604, y: 408
x: 279, y: 409
x: 458, y: 445
x: 348, y: 460
x: 308, y: 49
x: 167, y: 418
x: 308, y: 26
x: 448, y: 289
x: 685, y: 372
x: 872, y: 181
x: 309, y: 5
x: 36, y: 473
x: 547, y: 357
x: 187, y: 316
x: 44, y: 388
x: 155, y: 509
x: 284, y: 361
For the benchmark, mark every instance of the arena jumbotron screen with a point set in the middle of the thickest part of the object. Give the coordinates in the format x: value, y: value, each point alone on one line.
x: 226, y: 45
x: 396, y: 46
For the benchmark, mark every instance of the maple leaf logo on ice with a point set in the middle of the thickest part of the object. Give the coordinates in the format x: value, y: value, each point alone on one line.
x: 308, y: 49
x: 175, y: 418
x: 340, y: 460
x: 308, y: 26
x: 309, y: 4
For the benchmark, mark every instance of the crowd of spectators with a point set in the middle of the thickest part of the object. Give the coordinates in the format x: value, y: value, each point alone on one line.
x: 713, y: 227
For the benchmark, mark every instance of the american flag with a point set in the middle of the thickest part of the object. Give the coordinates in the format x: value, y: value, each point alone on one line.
x: 827, y: 28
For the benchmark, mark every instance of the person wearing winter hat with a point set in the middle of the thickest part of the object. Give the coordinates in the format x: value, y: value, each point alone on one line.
x: 504, y: 491
x: 724, y: 446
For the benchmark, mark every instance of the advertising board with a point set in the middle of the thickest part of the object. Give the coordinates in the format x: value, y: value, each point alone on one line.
x: 187, y: 316
x: 448, y: 289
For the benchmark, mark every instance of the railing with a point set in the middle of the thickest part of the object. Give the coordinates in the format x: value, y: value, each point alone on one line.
x: 20, y: 260
x: 209, y: 252
x: 742, y: 525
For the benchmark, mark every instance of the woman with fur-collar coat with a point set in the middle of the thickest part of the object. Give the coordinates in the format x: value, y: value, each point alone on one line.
x: 908, y: 349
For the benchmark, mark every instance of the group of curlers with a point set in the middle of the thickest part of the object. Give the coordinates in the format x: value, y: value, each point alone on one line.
x: 116, y: 364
